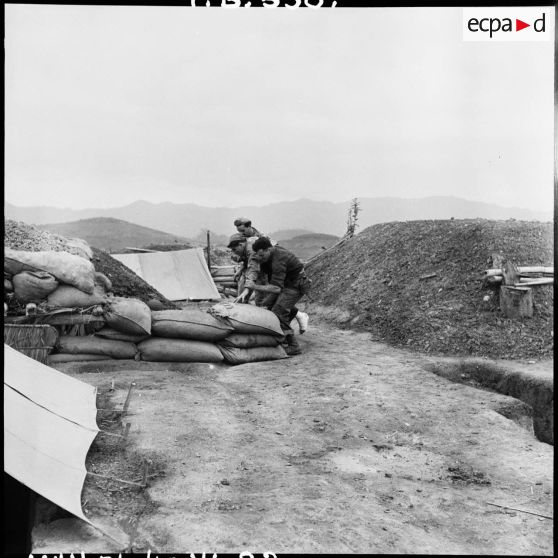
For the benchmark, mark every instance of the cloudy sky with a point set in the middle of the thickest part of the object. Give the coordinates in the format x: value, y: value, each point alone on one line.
x: 106, y: 105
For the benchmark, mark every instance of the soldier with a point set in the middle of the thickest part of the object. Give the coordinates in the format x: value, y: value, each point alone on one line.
x: 241, y: 248
x: 245, y: 228
x: 287, y: 284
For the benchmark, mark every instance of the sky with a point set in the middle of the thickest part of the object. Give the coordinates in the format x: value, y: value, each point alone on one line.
x: 106, y: 105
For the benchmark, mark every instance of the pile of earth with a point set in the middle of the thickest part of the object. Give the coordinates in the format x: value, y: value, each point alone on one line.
x: 126, y: 283
x: 21, y: 236
x: 418, y: 284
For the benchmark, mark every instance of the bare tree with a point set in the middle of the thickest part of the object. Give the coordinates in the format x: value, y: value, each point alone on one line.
x: 352, y: 218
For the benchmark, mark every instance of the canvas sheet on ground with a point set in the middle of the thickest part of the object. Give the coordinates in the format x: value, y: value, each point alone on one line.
x: 47, y: 432
x: 177, y: 275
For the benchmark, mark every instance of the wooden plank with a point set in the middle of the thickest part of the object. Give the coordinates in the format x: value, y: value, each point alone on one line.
x: 231, y: 284
x: 529, y: 269
x: 57, y: 319
x: 220, y: 271
x: 138, y: 249
x: 524, y: 282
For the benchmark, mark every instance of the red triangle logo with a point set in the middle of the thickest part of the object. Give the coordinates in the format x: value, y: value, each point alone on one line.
x: 519, y: 25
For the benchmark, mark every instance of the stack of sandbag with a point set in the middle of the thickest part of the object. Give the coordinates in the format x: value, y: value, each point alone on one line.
x: 256, y: 334
x: 92, y: 347
x: 235, y: 333
x: 128, y: 322
x: 37, y: 276
x: 187, y: 335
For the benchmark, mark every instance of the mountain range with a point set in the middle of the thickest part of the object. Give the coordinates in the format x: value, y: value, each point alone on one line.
x: 188, y: 220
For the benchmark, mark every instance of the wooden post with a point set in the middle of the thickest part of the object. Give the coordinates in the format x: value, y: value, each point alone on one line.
x: 127, y: 402
x: 126, y: 431
x: 510, y: 273
x: 516, y: 302
x: 208, y: 251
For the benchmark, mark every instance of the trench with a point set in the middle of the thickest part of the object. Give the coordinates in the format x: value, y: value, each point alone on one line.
x: 534, y: 405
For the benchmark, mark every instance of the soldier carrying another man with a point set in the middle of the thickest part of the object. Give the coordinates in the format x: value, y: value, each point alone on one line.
x: 286, y: 285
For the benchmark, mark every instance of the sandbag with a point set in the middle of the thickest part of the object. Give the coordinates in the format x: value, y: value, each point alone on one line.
x: 68, y: 357
x: 66, y: 296
x: 79, y: 247
x: 247, y: 318
x: 91, y: 344
x: 255, y: 354
x: 155, y: 304
x: 33, y: 286
x: 12, y: 267
x: 158, y: 349
x: 249, y: 340
x: 102, y: 280
x: 190, y: 323
x: 110, y: 333
x: 67, y: 268
x: 129, y: 315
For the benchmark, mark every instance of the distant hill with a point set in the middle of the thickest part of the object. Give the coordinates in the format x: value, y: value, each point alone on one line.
x: 113, y: 235
x: 287, y: 234
x: 319, y: 216
x: 307, y: 245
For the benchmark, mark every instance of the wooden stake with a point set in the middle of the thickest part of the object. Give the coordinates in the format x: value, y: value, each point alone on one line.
x: 125, y: 434
x: 510, y: 273
x: 127, y: 402
x: 115, y: 479
x: 145, y: 474
x: 208, y: 250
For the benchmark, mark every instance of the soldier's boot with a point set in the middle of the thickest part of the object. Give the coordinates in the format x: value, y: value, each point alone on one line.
x: 292, y: 347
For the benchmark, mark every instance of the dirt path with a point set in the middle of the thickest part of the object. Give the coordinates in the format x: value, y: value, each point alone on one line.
x: 351, y: 447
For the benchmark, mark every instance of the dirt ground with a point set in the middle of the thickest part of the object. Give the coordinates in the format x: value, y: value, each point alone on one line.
x: 353, y: 446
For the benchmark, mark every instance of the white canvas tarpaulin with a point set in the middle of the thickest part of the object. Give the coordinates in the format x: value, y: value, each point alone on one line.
x: 61, y: 394
x: 49, y: 425
x: 177, y: 275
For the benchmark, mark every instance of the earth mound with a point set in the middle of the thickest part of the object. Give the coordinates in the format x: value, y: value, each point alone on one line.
x: 125, y: 282
x: 418, y: 284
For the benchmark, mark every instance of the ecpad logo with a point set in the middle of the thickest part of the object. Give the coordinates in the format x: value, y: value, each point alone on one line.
x: 494, y: 24
x: 508, y: 24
